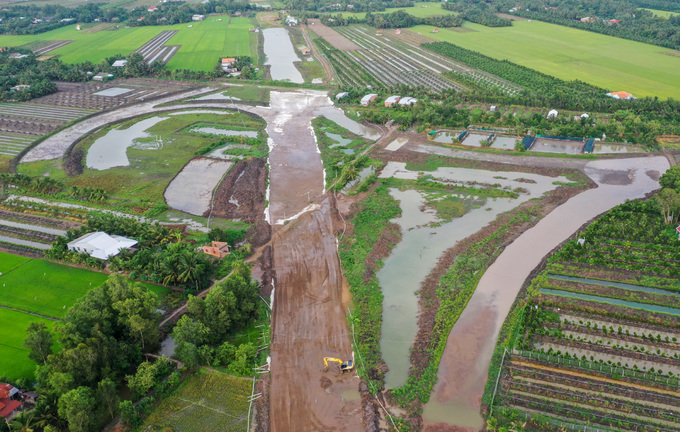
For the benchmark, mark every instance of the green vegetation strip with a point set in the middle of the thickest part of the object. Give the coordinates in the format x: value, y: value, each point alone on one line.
x: 569, y: 54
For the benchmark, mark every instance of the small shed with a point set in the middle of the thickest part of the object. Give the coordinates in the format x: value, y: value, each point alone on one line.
x: 119, y: 63
x: 493, y: 108
x: 407, y: 100
x: 102, y: 76
x: 391, y: 101
x: 100, y: 245
x: 197, y: 17
x: 305, y: 50
x: 552, y: 114
x: 341, y: 95
x: 291, y: 21
x: 368, y: 99
x: 153, y: 9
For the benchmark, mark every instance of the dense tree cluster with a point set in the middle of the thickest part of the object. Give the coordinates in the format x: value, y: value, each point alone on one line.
x: 201, y: 335
x: 101, y: 339
x: 354, y: 6
x: 479, y: 12
x: 401, y: 19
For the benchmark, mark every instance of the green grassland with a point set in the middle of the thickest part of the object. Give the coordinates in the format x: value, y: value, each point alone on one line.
x: 14, y: 361
x: 201, y: 45
x: 47, y: 288
x: 207, y: 401
x: 418, y: 10
x: 569, y: 54
x: 9, y: 262
x: 661, y: 13
x: 150, y: 171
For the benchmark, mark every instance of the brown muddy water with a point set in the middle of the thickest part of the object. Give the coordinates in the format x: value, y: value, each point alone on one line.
x: 463, y: 371
x: 423, y: 243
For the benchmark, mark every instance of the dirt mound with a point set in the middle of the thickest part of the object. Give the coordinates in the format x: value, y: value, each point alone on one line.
x: 325, y: 383
x: 241, y: 195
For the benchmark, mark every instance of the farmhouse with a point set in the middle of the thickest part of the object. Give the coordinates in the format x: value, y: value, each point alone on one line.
x: 228, y: 64
x: 341, y: 95
x: 197, y: 17
x: 8, y: 404
x: 20, y: 87
x: 217, y: 249
x: 552, y: 114
x: 391, y: 101
x: 408, y: 101
x: 305, y: 50
x: 153, y: 9
x: 119, y: 63
x: 368, y: 99
x: 100, y: 245
x: 621, y: 95
x: 291, y: 21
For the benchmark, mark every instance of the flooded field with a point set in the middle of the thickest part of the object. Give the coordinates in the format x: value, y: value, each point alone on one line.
x: 192, y: 189
x: 423, y: 243
x: 549, y: 145
x: 111, y: 150
x: 280, y: 55
x: 224, y: 132
x: 464, y: 366
x: 505, y: 143
x: 445, y: 137
x: 474, y: 140
x: 338, y: 116
x: 603, y: 148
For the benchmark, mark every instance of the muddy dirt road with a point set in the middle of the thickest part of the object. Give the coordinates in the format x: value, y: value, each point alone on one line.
x: 462, y: 375
x: 308, y: 320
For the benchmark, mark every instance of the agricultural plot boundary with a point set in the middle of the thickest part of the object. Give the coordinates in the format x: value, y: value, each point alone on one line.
x: 156, y: 50
x: 598, y: 344
x: 51, y: 46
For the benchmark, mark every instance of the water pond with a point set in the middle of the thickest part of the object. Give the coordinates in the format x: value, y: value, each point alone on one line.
x: 225, y: 132
x: 506, y: 143
x: 340, y: 141
x: 617, y: 302
x: 338, y: 116
x: 615, y: 148
x: 423, y: 242
x: 445, y: 137
x: 547, y: 145
x: 280, y: 55
x: 111, y: 150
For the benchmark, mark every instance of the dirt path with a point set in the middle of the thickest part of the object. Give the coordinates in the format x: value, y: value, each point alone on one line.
x: 463, y: 371
x: 55, y: 146
x: 322, y: 60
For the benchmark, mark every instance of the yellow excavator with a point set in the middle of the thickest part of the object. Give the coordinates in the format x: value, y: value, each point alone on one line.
x: 345, y: 366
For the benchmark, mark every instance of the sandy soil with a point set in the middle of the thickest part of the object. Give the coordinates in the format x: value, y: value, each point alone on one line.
x: 334, y: 38
x: 191, y: 190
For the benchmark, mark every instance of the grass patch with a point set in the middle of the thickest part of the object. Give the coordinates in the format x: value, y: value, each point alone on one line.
x: 47, y: 288
x: 418, y: 10
x: 207, y: 401
x: 14, y: 361
x: 569, y: 54
x: 661, y: 13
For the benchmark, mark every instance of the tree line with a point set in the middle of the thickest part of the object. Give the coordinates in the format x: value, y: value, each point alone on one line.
x: 477, y: 12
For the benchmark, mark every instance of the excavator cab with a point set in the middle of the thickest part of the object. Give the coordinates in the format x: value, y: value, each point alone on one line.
x: 345, y: 366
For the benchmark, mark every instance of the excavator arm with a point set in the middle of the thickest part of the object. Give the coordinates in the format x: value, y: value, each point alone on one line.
x: 345, y: 366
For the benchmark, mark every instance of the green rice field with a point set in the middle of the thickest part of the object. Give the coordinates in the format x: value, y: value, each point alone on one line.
x: 14, y: 361
x: 418, y: 10
x: 41, y: 287
x: 567, y: 53
x: 207, y: 401
x: 202, y: 45
x: 662, y: 13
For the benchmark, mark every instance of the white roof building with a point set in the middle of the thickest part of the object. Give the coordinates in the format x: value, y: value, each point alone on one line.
x: 368, y: 99
x: 100, y: 245
x: 119, y: 63
x: 552, y: 114
x: 408, y: 101
x: 341, y: 95
x: 392, y: 100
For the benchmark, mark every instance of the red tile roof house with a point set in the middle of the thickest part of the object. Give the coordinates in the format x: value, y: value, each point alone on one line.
x: 8, y: 407
x: 217, y: 249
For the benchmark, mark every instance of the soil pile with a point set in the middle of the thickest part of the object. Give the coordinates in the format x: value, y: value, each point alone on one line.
x: 241, y: 195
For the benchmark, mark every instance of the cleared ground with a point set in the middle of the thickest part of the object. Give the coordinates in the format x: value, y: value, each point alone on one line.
x: 568, y: 53
x: 208, y: 401
x: 201, y: 45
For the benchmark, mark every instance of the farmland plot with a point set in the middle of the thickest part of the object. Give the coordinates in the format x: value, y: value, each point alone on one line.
x: 208, y: 401
x: 154, y: 50
x: 599, y: 345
